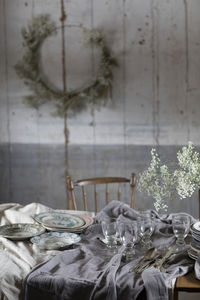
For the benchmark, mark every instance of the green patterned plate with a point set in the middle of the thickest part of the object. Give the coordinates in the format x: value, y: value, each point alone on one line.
x: 21, y: 231
x: 59, y: 220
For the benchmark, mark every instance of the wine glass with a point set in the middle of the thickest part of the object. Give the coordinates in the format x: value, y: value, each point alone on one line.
x: 129, y: 239
x: 120, y: 230
x: 181, y: 228
x: 146, y: 228
x: 109, y: 228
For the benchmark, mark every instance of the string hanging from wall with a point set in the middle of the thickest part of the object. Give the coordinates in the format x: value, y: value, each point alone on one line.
x: 67, y: 103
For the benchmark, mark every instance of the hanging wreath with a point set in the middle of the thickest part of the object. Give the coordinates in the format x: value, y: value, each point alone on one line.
x: 29, y: 68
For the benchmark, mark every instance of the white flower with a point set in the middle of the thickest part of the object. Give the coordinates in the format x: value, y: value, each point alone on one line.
x: 157, y: 181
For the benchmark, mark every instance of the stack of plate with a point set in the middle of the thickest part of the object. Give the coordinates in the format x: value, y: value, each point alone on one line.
x: 63, y: 221
x: 194, y: 251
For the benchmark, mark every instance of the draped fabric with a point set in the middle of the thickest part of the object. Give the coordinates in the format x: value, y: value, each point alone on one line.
x: 90, y: 271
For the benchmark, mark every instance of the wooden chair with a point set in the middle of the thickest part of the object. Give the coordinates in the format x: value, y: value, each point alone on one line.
x: 96, y: 181
x: 187, y: 283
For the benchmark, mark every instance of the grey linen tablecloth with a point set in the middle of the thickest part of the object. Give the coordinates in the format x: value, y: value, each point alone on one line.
x: 90, y: 272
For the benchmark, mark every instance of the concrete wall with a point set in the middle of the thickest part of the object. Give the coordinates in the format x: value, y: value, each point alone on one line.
x: 155, y: 95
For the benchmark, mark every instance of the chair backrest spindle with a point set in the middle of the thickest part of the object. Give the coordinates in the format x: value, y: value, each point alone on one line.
x: 96, y: 198
x: 107, y: 194
x: 119, y: 191
x: 132, y: 184
x: 84, y: 198
x: 72, y: 199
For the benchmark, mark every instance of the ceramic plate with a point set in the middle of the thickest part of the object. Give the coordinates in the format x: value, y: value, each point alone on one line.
x: 88, y: 221
x: 192, y: 254
x: 196, y: 237
x: 195, y: 250
x: 59, y: 220
x: 21, y: 231
x: 55, y: 240
x: 196, y: 243
x: 196, y: 226
x: 192, y: 257
x: 195, y: 234
x: 75, y: 212
x: 194, y: 230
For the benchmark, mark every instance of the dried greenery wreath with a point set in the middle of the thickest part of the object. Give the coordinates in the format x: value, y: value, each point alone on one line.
x: 29, y: 68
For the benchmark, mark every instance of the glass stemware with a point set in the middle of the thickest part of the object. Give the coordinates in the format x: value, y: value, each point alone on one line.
x: 109, y: 229
x: 120, y: 232
x: 129, y: 239
x: 146, y: 228
x: 181, y: 227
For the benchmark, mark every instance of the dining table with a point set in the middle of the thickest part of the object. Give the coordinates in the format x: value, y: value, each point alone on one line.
x: 88, y: 269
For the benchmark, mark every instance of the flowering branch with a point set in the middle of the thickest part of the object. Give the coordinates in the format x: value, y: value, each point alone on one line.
x: 188, y: 176
x: 159, y: 182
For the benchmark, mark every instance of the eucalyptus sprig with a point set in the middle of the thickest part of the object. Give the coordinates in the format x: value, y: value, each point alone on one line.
x: 29, y: 69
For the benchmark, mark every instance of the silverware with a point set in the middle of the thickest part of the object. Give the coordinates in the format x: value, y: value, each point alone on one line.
x: 147, y: 259
x: 167, y: 255
x: 148, y: 264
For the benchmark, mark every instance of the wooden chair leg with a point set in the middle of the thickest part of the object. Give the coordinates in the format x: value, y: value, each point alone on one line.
x: 175, y: 294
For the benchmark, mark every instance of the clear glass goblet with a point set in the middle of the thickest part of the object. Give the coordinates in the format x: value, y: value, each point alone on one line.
x: 129, y: 239
x: 146, y: 228
x: 120, y: 232
x: 181, y: 228
x: 109, y: 229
